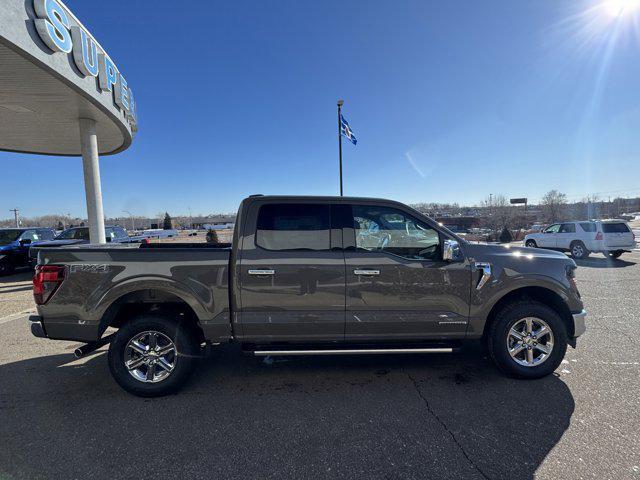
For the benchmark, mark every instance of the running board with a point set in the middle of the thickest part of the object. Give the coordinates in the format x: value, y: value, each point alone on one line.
x: 353, y: 351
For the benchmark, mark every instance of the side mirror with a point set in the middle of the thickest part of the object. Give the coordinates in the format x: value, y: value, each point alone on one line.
x: 451, y: 251
x: 25, y: 241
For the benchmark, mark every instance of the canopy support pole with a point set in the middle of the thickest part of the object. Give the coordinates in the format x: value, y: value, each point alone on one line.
x: 93, y: 190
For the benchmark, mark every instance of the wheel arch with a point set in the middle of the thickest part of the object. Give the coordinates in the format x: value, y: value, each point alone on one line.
x: 543, y: 295
x: 151, y: 301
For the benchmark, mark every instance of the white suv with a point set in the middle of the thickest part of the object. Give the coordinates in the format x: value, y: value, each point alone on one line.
x: 611, y: 237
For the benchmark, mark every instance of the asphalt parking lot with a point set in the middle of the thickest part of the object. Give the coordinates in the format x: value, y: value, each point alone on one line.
x: 430, y: 416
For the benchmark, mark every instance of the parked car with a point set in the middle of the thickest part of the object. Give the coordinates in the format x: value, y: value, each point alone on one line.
x: 309, y: 276
x: 80, y: 235
x: 611, y: 237
x: 15, y: 243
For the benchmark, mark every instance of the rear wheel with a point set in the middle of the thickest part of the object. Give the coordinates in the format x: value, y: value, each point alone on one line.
x: 531, y: 244
x: 614, y: 253
x: 152, y: 355
x: 527, y: 340
x: 578, y: 250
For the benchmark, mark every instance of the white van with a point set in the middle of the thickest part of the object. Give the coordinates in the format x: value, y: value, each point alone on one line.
x: 611, y: 237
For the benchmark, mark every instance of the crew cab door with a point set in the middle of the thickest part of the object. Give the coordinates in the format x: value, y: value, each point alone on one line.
x: 291, y: 274
x: 398, y: 286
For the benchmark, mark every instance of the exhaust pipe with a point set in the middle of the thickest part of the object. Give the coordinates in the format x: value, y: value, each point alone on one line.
x: 92, y: 346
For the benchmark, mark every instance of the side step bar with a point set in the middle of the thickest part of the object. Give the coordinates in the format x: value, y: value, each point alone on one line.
x: 353, y: 351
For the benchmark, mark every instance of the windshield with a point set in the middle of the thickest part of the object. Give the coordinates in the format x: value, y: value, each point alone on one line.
x: 8, y: 236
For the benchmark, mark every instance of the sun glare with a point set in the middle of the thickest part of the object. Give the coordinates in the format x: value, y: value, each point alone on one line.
x: 617, y: 8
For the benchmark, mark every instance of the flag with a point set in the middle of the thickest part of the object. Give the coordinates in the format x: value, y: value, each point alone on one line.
x: 346, y: 131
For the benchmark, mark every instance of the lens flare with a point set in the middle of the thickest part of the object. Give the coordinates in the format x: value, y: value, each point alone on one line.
x: 617, y: 8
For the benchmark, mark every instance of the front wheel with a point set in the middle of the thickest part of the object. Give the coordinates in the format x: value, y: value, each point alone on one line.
x: 531, y: 244
x: 527, y: 340
x: 6, y: 267
x: 152, y: 355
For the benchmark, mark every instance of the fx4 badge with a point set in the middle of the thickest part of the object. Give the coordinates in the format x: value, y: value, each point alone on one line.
x: 89, y: 268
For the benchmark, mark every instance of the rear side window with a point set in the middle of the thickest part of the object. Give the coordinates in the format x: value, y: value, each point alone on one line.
x: 588, y: 226
x: 294, y: 227
x: 615, y: 228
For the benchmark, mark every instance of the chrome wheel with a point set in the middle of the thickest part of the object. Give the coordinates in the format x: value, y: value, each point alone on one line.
x: 577, y: 250
x: 150, y: 357
x: 531, y: 244
x: 530, y: 341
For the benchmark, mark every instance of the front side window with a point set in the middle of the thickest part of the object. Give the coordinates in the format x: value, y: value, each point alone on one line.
x: 294, y: 227
x: 29, y: 235
x: 386, y: 229
x: 553, y: 228
x: 568, y: 228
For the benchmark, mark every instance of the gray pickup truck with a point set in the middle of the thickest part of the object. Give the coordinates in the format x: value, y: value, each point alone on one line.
x: 309, y: 276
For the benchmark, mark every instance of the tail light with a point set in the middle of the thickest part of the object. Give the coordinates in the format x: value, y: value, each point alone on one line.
x: 46, y: 281
x: 599, y: 236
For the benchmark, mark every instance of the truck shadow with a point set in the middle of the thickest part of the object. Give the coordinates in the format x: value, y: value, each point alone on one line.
x: 595, y: 262
x: 427, y: 416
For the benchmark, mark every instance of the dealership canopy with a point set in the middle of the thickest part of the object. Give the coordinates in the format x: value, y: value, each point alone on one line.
x: 61, y: 93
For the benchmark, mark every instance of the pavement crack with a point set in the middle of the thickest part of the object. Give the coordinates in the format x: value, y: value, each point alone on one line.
x: 444, y: 425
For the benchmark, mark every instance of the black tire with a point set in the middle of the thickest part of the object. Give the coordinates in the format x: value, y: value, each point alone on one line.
x: 507, y: 318
x: 578, y: 250
x: 6, y: 267
x: 614, y: 254
x: 185, y: 343
x: 531, y: 244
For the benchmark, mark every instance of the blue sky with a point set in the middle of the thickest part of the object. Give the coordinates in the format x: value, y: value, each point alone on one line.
x: 450, y: 101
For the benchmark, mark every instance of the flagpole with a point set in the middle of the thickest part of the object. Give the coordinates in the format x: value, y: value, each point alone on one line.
x: 340, y: 103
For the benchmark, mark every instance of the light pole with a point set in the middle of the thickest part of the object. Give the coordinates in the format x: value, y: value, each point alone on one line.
x: 16, y: 215
x: 133, y: 225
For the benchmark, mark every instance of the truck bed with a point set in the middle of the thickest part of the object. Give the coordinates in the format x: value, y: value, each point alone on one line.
x: 96, y: 276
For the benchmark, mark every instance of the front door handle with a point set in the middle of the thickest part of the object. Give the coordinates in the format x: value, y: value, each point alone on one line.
x: 263, y: 271
x: 366, y: 272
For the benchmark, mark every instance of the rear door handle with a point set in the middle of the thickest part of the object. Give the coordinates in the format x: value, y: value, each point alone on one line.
x: 366, y: 272
x: 264, y: 271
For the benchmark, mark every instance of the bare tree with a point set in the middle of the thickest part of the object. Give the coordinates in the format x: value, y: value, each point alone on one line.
x: 553, y: 205
x: 499, y: 212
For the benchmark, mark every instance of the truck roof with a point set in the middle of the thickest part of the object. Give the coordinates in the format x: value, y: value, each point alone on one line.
x: 332, y: 198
